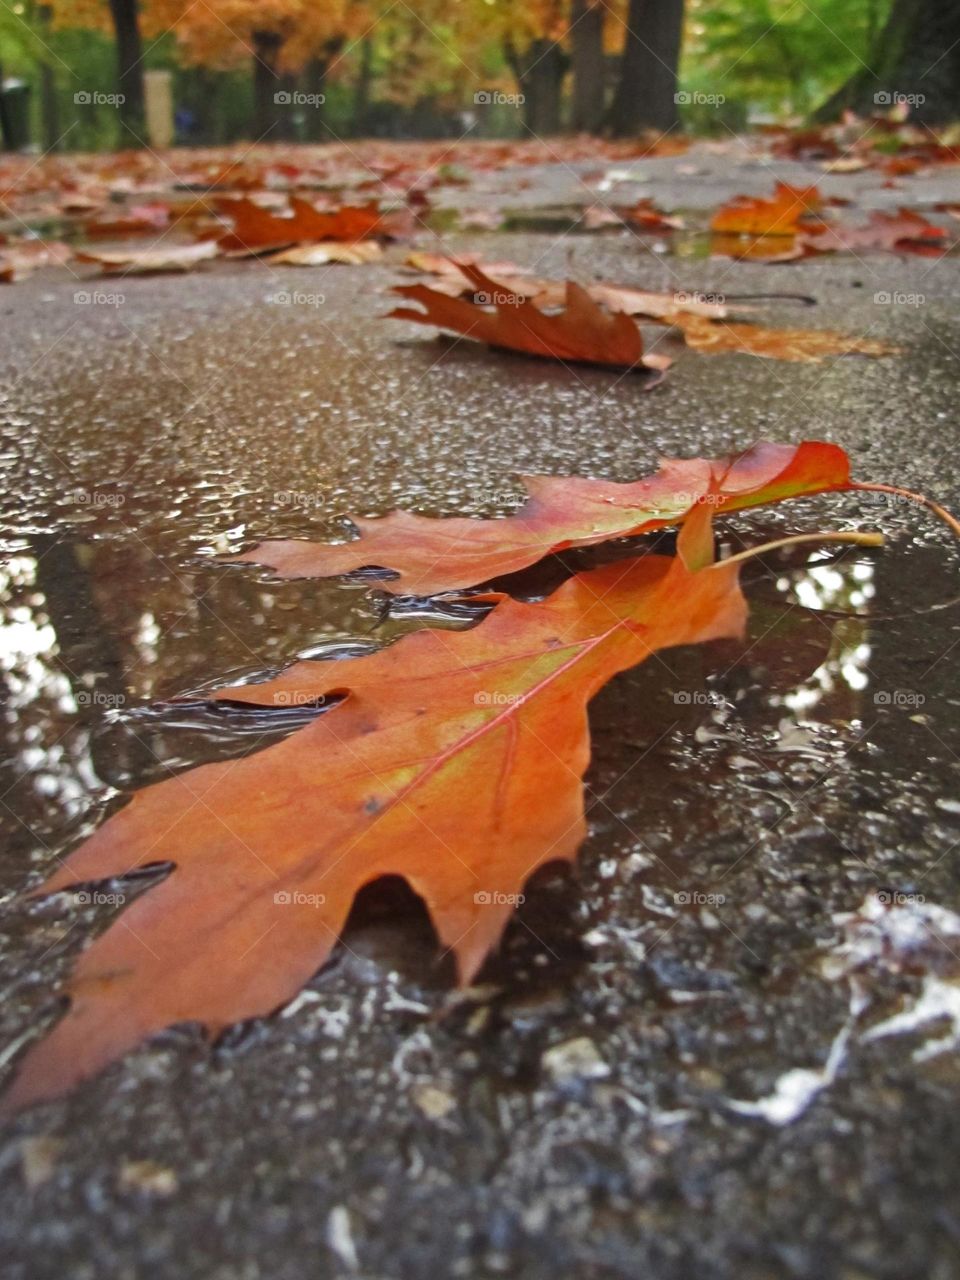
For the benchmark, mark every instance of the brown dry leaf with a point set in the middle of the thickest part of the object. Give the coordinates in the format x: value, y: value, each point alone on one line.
x: 256, y: 228
x: 645, y: 216
x: 318, y: 255
x: 452, y: 280
x: 904, y: 231
x: 174, y: 257
x: 804, y: 345
x: 23, y: 256
x: 581, y: 333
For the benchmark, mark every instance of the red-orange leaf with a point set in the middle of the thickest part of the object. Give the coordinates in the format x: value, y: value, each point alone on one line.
x: 778, y: 216
x: 581, y: 332
x: 431, y: 556
x: 454, y: 760
x: 256, y: 228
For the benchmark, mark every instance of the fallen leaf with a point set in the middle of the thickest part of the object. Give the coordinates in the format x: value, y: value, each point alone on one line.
x: 256, y: 228
x: 772, y: 248
x: 778, y: 216
x: 808, y: 345
x: 317, y: 255
x: 454, y: 281
x: 905, y: 231
x: 645, y: 216
x: 22, y: 257
x: 452, y: 759
x: 580, y: 333
x: 174, y: 257
x: 430, y: 556
x: 140, y: 219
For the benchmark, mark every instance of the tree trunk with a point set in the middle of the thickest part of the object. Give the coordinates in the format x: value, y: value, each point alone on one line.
x: 539, y: 71
x: 49, y: 107
x: 268, y: 106
x: 315, y: 86
x: 363, y: 87
x: 589, y: 65
x: 915, y: 59
x: 126, y: 27
x: 647, y: 88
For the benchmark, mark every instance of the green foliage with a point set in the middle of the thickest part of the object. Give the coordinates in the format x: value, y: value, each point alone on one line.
x: 776, y: 58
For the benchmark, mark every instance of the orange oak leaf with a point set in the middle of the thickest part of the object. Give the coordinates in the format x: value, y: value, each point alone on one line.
x: 807, y: 345
x: 431, y: 556
x: 779, y: 216
x: 452, y: 759
x: 581, y: 333
x: 256, y: 228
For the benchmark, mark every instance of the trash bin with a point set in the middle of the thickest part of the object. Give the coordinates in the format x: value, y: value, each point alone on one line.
x: 15, y: 114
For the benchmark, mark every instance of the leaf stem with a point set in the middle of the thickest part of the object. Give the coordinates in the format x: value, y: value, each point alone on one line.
x: 831, y: 535
x: 919, y: 498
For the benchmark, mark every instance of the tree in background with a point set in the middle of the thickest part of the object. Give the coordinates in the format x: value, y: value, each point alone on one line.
x: 777, y: 57
x: 284, y: 38
x: 588, y: 62
x: 122, y: 18
x: 915, y: 58
x: 646, y: 95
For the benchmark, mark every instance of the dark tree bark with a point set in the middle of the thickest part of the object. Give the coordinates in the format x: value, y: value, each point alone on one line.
x: 363, y: 87
x: 915, y: 58
x: 539, y: 70
x: 267, y: 83
x: 314, y: 81
x: 126, y: 29
x: 49, y: 107
x: 6, y: 130
x: 589, y: 65
x: 645, y: 97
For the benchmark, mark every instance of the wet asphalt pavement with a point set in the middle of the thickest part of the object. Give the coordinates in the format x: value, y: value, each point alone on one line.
x: 725, y: 1045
